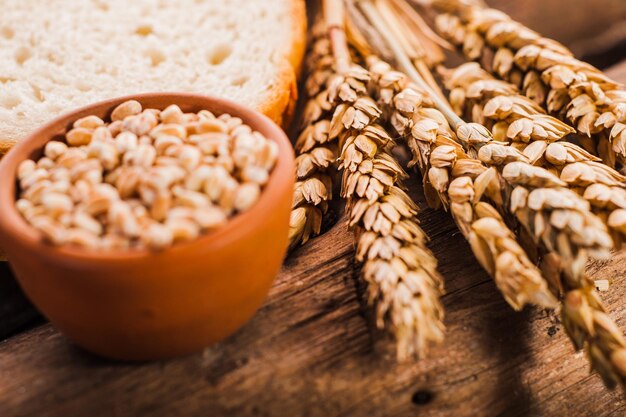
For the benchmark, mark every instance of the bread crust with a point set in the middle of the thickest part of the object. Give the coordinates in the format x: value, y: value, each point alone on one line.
x: 5, y: 145
x: 299, y: 34
x: 281, y: 102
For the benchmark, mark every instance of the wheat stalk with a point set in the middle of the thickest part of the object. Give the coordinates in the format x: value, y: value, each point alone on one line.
x: 515, y: 118
x: 462, y: 184
x: 398, y: 268
x: 547, y: 72
x: 316, y: 152
x: 563, y: 227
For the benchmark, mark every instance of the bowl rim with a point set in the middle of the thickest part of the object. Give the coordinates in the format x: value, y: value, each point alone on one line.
x: 13, y: 227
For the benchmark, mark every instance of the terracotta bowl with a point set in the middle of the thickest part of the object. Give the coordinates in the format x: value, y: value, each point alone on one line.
x: 139, y: 305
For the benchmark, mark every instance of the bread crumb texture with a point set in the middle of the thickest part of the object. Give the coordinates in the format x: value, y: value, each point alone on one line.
x: 61, y: 54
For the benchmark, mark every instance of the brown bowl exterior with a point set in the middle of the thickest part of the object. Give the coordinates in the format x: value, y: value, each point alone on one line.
x: 138, y: 305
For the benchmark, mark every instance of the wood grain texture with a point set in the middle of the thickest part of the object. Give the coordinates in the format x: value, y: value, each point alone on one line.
x: 569, y: 21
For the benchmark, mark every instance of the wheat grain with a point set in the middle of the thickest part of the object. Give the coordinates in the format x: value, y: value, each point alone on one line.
x: 100, y: 191
x: 547, y: 72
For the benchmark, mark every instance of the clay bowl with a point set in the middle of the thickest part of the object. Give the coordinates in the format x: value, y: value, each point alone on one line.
x: 141, y: 305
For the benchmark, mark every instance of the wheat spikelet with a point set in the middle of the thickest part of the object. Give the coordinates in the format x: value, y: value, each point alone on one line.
x: 461, y: 184
x: 518, y: 120
x: 590, y: 328
x: 555, y: 216
x: 316, y: 152
x: 547, y: 73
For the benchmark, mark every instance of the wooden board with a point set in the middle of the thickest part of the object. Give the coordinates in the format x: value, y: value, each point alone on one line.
x: 569, y: 21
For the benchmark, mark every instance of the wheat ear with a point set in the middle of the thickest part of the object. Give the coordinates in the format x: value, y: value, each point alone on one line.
x: 398, y: 268
x: 515, y: 118
x: 547, y: 72
x: 316, y: 153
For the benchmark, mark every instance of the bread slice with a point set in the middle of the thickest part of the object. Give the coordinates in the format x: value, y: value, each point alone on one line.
x: 60, y: 54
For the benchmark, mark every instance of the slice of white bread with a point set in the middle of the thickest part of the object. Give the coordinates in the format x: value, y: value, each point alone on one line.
x: 60, y: 54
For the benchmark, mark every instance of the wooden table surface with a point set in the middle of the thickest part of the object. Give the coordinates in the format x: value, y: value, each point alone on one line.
x: 312, y: 350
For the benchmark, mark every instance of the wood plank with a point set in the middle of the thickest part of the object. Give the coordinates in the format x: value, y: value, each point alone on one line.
x: 570, y: 22
x: 312, y: 351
